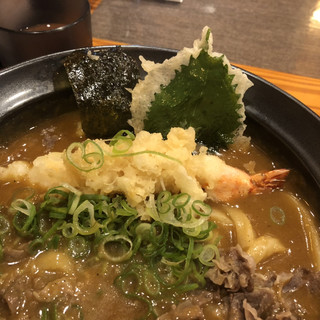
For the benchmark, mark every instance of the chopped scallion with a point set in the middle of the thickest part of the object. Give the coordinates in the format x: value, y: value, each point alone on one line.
x: 208, y: 253
x: 277, y: 215
x: 4, y: 225
x: 171, y: 245
x: 91, y: 155
x: 78, y: 247
x: 116, y: 248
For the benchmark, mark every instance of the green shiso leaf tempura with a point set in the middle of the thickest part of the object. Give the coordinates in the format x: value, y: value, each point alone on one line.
x: 197, y: 88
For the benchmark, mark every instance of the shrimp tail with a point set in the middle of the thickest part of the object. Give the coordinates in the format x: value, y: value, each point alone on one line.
x: 268, y: 180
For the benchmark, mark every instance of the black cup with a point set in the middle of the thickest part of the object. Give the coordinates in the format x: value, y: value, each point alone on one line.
x: 33, y: 28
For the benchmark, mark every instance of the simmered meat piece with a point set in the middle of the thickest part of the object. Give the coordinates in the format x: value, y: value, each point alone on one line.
x: 250, y: 313
x: 11, y: 254
x: 184, y: 311
x: 248, y: 295
x: 234, y: 271
x: 303, y: 277
x: 55, y: 289
x: 16, y: 292
x: 260, y: 303
x: 189, y: 309
x: 287, y: 315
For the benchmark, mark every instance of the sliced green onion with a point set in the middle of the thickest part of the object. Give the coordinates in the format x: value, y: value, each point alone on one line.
x: 52, y: 230
x: 163, y: 202
x: 25, y: 193
x: 92, y: 226
x: 44, y: 314
x: 189, y: 252
x: 79, y: 311
x: 71, y: 188
x: 43, y: 223
x: 122, y: 145
x: 55, y: 196
x: 127, y: 208
x: 178, y: 210
x: 198, y: 272
x: 69, y: 230
x: 156, y: 153
x: 89, y: 160
x: 39, y: 243
x: 116, y: 248
x: 187, y: 287
x: 36, y: 245
x: 78, y: 247
x: 277, y: 215
x: 164, y: 197
x: 130, y: 283
x: 181, y: 200
x: 179, y: 220
x: 4, y: 225
x: 197, y: 250
x: 49, y: 313
x: 151, y: 283
x: 201, y: 232
x: 54, y: 242
x: 192, y: 232
x: 23, y: 220
x: 208, y: 253
x: 73, y: 203
x: 206, y: 229
x: 177, y: 239
x: 158, y: 233
x: 201, y: 208
x: 120, y: 135
x: 130, y: 225
x: 171, y: 244
x: 23, y: 206
x: 58, y: 213
x: 172, y: 263
x: 143, y: 230
x: 94, y: 197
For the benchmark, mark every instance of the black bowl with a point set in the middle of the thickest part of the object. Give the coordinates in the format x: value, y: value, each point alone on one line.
x: 29, y: 92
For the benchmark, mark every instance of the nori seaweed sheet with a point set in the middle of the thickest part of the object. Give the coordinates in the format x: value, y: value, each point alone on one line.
x: 100, y: 88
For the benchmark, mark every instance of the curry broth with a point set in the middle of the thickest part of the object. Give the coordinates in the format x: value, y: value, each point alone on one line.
x: 89, y: 284
x: 257, y: 207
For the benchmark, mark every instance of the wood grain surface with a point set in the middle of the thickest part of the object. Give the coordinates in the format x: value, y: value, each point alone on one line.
x: 305, y: 89
x: 282, y: 35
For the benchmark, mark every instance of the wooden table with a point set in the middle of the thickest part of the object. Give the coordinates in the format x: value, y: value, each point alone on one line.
x: 305, y: 89
x: 278, y: 41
